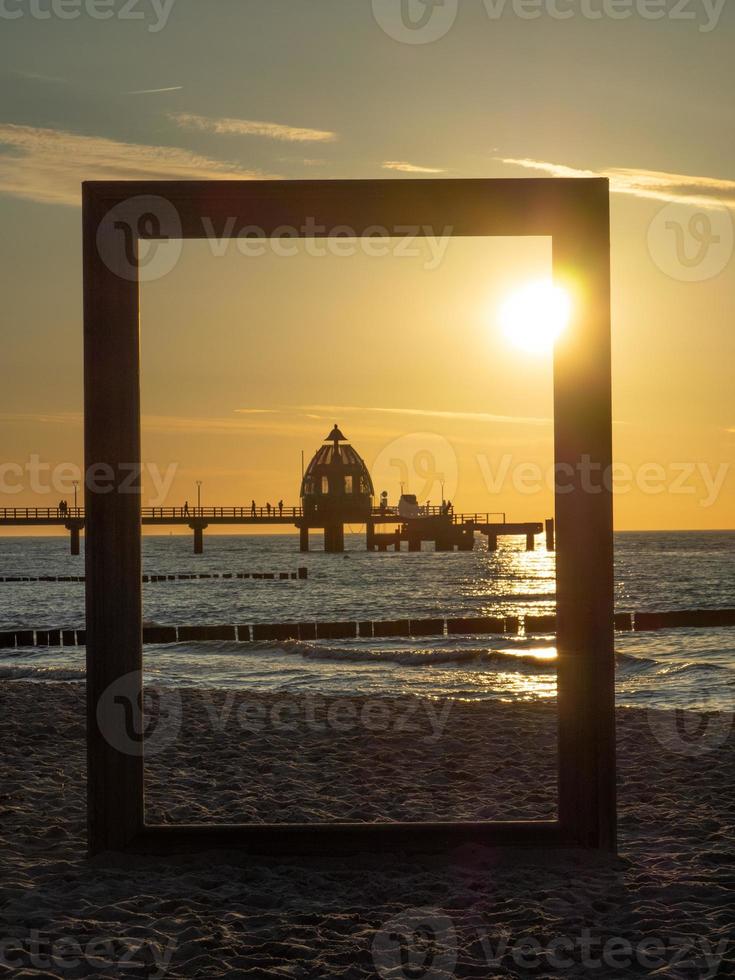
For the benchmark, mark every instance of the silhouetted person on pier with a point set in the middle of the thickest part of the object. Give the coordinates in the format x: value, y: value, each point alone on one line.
x: 280, y: 508
x: 186, y: 508
x: 252, y: 508
x: 268, y: 509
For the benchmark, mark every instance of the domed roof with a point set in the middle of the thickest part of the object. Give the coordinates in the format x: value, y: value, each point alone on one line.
x: 336, y: 458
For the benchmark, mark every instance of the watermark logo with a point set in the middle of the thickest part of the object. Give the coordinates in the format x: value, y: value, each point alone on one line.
x: 415, y: 21
x: 690, y: 244
x: 691, y: 733
x: 136, y: 721
x: 422, y: 944
x: 139, y: 240
x: 418, y: 944
x: 420, y: 463
x: 424, y: 21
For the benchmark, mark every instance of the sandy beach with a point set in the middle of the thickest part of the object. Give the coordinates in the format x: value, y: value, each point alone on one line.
x: 667, y: 899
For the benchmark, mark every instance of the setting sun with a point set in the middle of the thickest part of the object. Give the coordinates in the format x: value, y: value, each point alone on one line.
x: 535, y: 315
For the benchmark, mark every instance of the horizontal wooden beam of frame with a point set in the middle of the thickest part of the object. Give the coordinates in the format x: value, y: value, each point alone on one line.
x: 325, y: 839
x: 476, y: 208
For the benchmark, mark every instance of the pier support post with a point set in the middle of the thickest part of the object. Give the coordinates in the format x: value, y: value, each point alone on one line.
x: 530, y: 542
x: 75, y: 529
x: 198, y: 529
x: 334, y: 539
x: 466, y: 541
x: 550, y: 535
x: 492, y: 542
x: 304, y: 538
x: 414, y: 544
x: 370, y: 535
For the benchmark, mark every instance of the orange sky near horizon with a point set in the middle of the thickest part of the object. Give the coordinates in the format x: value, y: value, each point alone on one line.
x: 247, y: 361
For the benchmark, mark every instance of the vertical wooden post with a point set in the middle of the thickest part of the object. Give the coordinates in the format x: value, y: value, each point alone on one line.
x: 550, y: 534
x: 370, y: 535
x: 334, y: 539
x: 584, y: 563
x: 113, y: 551
x: 530, y: 542
x: 198, y: 538
x: 304, y: 538
x: 74, y: 540
x: 492, y: 542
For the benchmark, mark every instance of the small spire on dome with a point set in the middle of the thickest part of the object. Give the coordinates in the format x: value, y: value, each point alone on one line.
x: 336, y: 436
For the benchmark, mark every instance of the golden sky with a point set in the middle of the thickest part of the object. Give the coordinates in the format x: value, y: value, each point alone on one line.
x: 249, y: 360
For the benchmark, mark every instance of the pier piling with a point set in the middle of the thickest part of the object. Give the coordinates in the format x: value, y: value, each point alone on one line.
x: 198, y: 528
x: 550, y: 535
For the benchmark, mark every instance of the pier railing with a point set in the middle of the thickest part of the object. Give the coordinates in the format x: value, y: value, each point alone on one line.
x: 237, y: 513
x: 258, y: 512
x: 41, y: 513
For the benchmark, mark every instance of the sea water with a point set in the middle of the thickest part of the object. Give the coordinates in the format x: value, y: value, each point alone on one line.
x: 689, y: 668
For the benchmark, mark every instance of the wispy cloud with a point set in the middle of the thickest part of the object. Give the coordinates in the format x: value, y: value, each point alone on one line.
x: 302, y: 161
x: 43, y: 418
x: 48, y: 165
x: 431, y: 414
x: 706, y: 192
x: 410, y: 168
x: 252, y: 127
x: 36, y: 76
x: 253, y: 422
x: 155, y: 91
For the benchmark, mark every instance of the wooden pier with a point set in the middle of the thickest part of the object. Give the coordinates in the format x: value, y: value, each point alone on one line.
x: 447, y: 531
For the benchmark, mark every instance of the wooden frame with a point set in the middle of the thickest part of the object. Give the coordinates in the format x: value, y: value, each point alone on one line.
x: 575, y: 214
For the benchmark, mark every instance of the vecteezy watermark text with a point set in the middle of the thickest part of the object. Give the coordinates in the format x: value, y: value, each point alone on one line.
x: 311, y: 712
x: 423, y: 944
x: 425, y: 21
x: 40, y: 477
x: 700, y: 479
x: 155, y: 12
x: 139, y: 720
x: 102, y: 953
x: 140, y: 239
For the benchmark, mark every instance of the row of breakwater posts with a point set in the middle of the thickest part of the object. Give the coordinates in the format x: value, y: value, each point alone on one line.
x: 447, y: 531
x: 376, y: 629
x: 301, y: 574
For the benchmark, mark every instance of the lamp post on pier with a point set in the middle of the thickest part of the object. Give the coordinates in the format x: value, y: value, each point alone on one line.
x: 199, y: 497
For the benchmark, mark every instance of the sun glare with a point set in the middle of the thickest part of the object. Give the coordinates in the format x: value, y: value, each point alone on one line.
x: 535, y: 315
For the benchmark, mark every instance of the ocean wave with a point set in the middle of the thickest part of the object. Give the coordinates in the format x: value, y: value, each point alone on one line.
x: 425, y: 656
x: 693, y: 668
x: 516, y: 653
x: 29, y: 672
